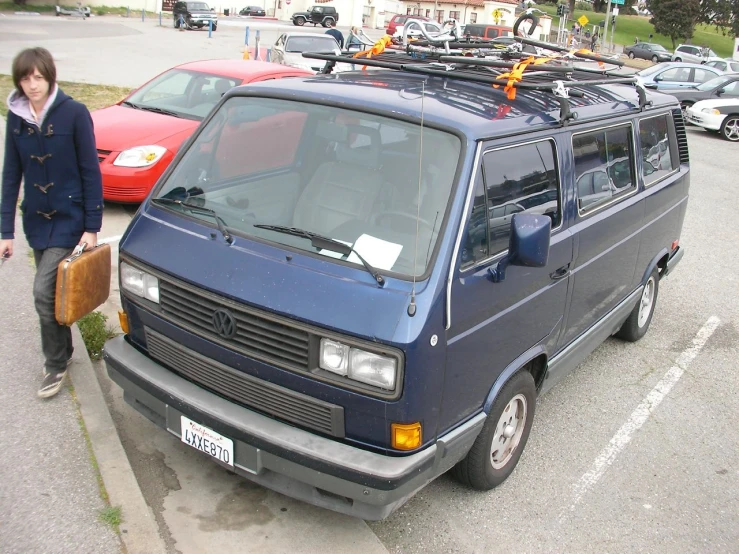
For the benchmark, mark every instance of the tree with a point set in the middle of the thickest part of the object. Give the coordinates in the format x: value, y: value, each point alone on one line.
x: 724, y: 14
x: 674, y: 18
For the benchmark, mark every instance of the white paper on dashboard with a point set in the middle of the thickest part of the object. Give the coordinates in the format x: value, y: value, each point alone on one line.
x: 331, y: 253
x: 379, y: 253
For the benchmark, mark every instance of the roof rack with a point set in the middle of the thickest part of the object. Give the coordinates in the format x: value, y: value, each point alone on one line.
x: 550, y: 70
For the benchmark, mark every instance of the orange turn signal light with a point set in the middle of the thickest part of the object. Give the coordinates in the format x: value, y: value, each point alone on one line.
x: 123, y: 320
x: 675, y: 244
x: 406, y: 436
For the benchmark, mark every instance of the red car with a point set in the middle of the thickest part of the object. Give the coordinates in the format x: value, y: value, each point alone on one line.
x: 139, y: 136
x: 400, y: 20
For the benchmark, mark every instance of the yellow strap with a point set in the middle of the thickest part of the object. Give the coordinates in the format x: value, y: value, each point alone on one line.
x: 515, y: 75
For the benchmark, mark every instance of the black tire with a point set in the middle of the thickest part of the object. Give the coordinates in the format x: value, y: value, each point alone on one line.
x: 632, y: 330
x: 326, y: 22
x: 476, y: 470
x: 299, y: 21
x: 678, y: 59
x: 729, y: 128
x: 655, y: 59
x: 214, y: 28
x: 176, y: 23
x: 632, y: 55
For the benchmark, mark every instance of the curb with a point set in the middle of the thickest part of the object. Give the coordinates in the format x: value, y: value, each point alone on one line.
x: 139, y: 529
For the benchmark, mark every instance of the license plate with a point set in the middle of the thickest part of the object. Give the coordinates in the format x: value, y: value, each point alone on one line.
x: 206, y: 440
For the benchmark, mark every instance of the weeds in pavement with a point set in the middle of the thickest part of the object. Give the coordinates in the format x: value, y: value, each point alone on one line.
x: 92, y: 96
x: 95, y: 332
x: 112, y: 516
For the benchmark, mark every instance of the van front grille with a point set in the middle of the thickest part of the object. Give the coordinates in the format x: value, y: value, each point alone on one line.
x: 682, y: 135
x: 273, y: 400
x: 254, y: 334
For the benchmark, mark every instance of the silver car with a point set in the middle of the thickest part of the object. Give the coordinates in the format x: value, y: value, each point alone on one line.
x: 693, y: 54
x: 289, y: 48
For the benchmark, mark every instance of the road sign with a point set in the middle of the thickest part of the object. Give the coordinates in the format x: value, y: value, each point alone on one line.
x: 619, y: 2
x: 582, y: 20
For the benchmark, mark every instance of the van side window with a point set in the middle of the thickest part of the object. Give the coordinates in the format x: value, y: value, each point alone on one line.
x: 603, y: 166
x: 654, y: 139
x: 523, y: 178
x: 475, y: 245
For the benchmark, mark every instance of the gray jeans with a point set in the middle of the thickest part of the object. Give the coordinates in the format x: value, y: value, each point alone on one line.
x: 56, y: 340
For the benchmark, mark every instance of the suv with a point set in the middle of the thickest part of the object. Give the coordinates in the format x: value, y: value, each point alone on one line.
x: 193, y: 15
x: 382, y: 286
x: 399, y: 21
x: 693, y: 54
x: 477, y: 30
x: 323, y: 15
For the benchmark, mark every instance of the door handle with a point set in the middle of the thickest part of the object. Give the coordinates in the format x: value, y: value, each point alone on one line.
x: 561, y: 273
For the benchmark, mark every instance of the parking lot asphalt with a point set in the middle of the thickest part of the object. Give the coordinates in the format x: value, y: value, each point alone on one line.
x: 605, y: 469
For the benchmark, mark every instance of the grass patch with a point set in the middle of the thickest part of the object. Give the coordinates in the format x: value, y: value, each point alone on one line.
x: 630, y: 26
x: 112, y: 516
x: 92, y: 96
x: 95, y: 332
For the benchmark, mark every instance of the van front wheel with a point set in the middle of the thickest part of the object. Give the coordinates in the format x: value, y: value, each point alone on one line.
x: 499, y: 445
x: 636, y: 326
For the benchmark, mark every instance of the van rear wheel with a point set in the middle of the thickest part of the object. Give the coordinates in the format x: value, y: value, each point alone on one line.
x: 499, y: 445
x: 636, y: 326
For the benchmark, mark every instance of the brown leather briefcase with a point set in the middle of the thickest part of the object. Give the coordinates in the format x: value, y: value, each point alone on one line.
x: 82, y: 283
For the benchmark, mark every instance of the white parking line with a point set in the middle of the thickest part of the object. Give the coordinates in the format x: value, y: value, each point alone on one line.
x: 115, y: 238
x: 640, y: 415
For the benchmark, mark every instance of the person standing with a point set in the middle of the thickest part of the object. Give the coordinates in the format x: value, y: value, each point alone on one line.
x: 50, y: 147
x: 334, y: 32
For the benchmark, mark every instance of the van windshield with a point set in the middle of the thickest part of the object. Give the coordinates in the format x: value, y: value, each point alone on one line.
x: 346, y: 175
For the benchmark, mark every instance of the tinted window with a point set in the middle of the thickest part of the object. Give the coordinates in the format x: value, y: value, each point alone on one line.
x: 605, y: 158
x: 657, y: 159
x: 311, y: 44
x: 519, y: 179
x: 475, y: 242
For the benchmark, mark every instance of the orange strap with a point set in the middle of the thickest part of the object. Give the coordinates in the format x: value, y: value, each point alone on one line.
x: 516, y: 74
x: 377, y: 48
x: 588, y: 52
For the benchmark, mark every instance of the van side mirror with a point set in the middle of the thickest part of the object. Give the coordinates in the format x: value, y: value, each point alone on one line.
x: 528, y: 246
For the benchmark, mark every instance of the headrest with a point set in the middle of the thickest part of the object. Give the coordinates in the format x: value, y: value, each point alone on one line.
x: 361, y: 151
x: 222, y: 86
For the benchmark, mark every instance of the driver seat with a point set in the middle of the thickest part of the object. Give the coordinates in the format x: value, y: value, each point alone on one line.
x: 346, y: 189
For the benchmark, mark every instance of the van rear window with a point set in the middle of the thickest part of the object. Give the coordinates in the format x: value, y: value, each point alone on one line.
x: 658, y: 159
x: 603, y: 166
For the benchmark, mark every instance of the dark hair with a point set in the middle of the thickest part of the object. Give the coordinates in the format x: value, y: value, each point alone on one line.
x: 33, y: 58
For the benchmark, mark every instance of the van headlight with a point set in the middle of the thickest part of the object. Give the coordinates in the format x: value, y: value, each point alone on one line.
x: 357, y: 364
x: 139, y: 283
x: 140, y: 156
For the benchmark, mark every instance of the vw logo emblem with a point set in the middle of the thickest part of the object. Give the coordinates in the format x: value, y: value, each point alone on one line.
x: 224, y: 324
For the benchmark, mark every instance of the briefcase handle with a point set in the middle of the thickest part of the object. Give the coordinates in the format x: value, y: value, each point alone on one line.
x: 77, y: 252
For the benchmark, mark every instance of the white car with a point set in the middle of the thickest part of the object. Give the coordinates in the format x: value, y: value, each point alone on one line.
x: 720, y: 114
x: 432, y: 28
x: 289, y: 48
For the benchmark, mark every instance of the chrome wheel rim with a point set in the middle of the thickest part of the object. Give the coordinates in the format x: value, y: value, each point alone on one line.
x: 646, y: 302
x: 731, y: 129
x: 508, y: 431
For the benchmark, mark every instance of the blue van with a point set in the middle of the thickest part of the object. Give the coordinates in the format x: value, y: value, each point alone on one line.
x: 346, y: 285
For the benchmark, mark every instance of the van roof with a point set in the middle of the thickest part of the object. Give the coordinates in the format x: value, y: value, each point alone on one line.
x: 477, y: 110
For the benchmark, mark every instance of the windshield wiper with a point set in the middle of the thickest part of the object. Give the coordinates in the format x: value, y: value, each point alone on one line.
x: 200, y: 209
x: 325, y: 243
x: 159, y: 110
x: 130, y: 105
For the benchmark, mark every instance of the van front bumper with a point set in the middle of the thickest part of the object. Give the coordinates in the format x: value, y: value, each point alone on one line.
x: 294, y: 462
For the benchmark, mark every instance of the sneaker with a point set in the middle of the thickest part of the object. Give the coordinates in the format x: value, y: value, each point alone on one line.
x: 69, y: 363
x: 52, y: 384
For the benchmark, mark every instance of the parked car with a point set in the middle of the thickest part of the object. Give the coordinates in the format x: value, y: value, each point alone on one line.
x: 721, y: 115
x: 253, y: 11
x: 289, y: 47
x: 139, y: 136
x: 694, y: 54
x: 304, y: 303
x: 400, y: 20
x: 318, y: 15
x: 648, y: 51
x: 727, y: 65
x: 193, y: 15
x: 726, y: 86
x: 478, y: 30
x: 676, y: 75
x: 432, y: 28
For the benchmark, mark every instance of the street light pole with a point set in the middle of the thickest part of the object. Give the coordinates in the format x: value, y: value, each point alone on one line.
x: 608, y: 20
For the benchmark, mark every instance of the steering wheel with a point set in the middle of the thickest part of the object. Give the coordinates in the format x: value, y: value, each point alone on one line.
x: 528, y: 15
x: 406, y: 216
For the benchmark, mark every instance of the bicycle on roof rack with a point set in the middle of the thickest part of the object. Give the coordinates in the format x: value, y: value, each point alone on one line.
x: 451, y: 55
